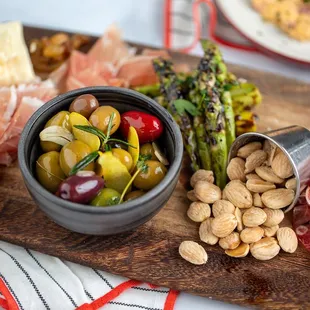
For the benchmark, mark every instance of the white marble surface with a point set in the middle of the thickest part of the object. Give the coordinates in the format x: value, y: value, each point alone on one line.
x: 142, y: 22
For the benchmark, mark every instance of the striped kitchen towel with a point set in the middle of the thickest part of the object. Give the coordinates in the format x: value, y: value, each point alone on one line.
x: 186, y: 21
x: 33, y: 281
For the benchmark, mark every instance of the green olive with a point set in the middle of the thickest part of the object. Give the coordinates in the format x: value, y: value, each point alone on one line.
x: 155, y: 172
x: 72, y: 153
x: 133, y: 195
x: 48, y: 170
x: 100, y: 118
x: 147, y: 149
x: 124, y: 157
x: 107, y: 197
x: 60, y: 119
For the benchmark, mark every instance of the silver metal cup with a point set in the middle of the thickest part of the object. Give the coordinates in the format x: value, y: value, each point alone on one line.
x: 294, y: 141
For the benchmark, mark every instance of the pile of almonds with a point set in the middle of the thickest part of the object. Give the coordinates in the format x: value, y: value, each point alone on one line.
x: 245, y: 217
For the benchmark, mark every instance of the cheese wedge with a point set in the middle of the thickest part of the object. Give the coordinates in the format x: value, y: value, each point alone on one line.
x: 15, y: 63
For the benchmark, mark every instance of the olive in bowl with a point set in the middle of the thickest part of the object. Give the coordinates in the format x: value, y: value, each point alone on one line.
x: 90, y: 218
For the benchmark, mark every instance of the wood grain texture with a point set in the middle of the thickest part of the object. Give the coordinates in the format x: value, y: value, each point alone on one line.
x: 150, y: 253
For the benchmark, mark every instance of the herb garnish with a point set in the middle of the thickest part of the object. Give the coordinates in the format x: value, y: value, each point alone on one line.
x: 104, y: 139
x: 141, y: 167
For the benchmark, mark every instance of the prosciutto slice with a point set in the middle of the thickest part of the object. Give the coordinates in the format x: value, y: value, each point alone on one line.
x: 7, y: 158
x: 110, y: 62
x: 110, y: 48
x: 17, y: 105
x: 26, y: 108
x: 8, y: 102
x: 9, y: 145
x: 59, y: 76
x: 42, y: 90
x: 85, y: 71
x: 138, y: 71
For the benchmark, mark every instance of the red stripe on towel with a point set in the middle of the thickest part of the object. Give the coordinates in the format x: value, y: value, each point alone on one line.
x: 152, y: 285
x: 98, y: 303
x: 10, y: 301
x: 171, y: 299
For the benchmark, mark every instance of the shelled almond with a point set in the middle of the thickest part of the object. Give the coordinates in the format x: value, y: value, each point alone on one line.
x: 245, y: 217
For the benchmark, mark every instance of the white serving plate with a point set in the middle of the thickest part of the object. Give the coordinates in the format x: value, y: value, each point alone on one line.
x: 266, y: 36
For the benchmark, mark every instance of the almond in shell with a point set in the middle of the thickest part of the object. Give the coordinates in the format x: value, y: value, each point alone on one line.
x: 254, y: 217
x: 252, y: 176
x: 223, y: 225
x: 270, y: 148
x: 198, y: 211
x: 274, y: 217
x: 205, y: 232
x: 282, y: 166
x: 193, y: 252
x: 248, y: 149
x: 287, y: 239
x: 238, y: 194
x: 267, y: 174
x: 278, y: 198
x: 241, y: 251
x: 202, y: 175
x: 230, y: 242
x: 258, y: 186
x: 265, y: 249
x: 238, y: 216
x: 255, y: 160
x: 191, y: 196
x: 270, y: 231
x: 257, y: 200
x: 207, y: 192
x: 291, y: 183
x: 222, y: 206
x: 235, y: 169
x: 251, y: 234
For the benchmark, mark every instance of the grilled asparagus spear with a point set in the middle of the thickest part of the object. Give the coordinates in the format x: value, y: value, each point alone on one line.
x: 171, y: 91
x: 222, y: 76
x: 215, y: 122
x: 215, y: 126
x: 218, y: 66
x: 203, y: 141
x: 230, y: 127
x: 151, y: 90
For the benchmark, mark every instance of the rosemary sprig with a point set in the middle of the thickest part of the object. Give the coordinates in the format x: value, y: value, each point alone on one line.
x: 142, y: 167
x: 104, y: 138
x: 110, y: 125
x: 91, y: 129
x: 84, y: 162
x: 121, y: 141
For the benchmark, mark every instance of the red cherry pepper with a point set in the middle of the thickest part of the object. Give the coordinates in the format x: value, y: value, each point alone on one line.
x: 148, y: 127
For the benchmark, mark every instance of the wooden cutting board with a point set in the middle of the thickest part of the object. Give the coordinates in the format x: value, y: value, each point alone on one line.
x: 150, y: 253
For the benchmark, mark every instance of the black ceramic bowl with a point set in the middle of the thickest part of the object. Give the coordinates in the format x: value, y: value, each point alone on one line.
x: 101, y: 220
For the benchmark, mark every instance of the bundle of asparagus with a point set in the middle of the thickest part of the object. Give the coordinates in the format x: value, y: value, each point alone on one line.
x: 210, y: 105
